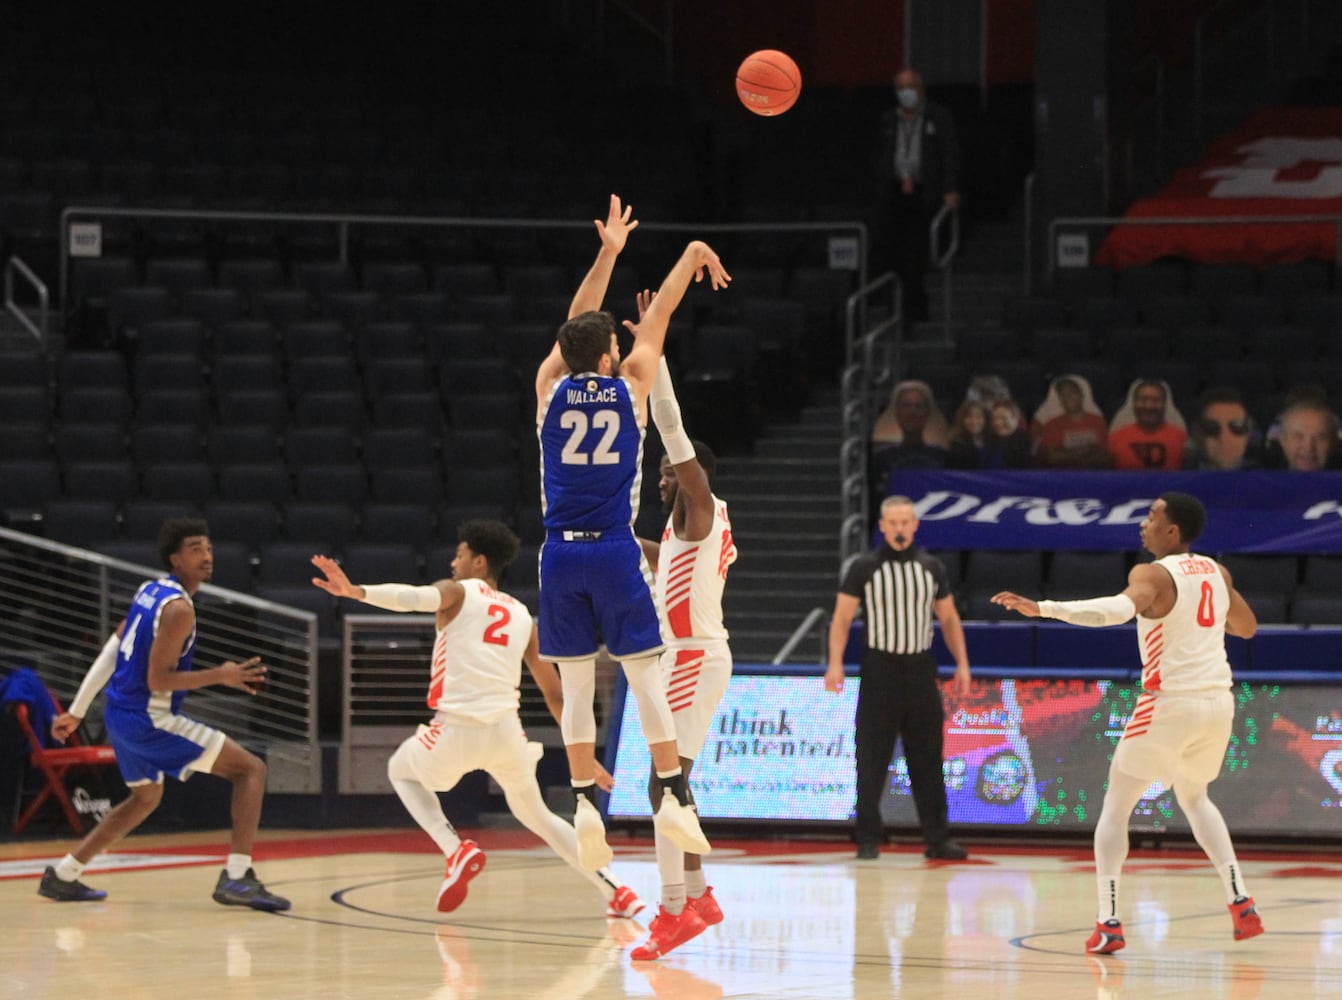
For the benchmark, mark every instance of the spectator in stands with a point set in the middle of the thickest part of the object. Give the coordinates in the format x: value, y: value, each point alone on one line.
x: 969, y: 437
x: 1224, y: 436
x: 1147, y: 432
x: 1009, y: 444
x: 987, y: 390
x: 918, y: 171
x: 1308, y: 435
x: 910, y: 433
x: 1070, y: 429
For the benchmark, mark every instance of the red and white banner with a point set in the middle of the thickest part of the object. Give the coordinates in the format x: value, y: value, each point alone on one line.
x: 1282, y: 161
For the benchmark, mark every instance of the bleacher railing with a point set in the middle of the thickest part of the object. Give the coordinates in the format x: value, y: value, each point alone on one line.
x: 16, y: 266
x: 1088, y: 223
x: 58, y: 605
x: 855, y: 256
x: 873, y: 344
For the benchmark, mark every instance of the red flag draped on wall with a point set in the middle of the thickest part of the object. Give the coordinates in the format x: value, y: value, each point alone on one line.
x: 1282, y: 161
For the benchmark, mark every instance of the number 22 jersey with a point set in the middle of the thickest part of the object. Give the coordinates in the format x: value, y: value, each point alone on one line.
x: 591, y: 439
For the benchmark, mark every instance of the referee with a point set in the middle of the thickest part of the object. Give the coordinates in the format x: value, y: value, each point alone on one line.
x: 900, y: 587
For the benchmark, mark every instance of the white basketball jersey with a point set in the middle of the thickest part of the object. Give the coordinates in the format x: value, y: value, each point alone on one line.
x: 477, y: 658
x: 690, y: 579
x: 1186, y: 650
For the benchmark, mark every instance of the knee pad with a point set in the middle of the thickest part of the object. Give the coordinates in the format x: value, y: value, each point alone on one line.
x: 645, y: 681
x: 578, y: 720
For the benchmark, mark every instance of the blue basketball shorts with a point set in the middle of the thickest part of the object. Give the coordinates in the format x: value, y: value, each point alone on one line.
x: 594, y: 591
x: 147, y: 749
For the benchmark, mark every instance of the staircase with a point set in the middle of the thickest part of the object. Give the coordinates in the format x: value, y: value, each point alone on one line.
x: 986, y: 273
x: 784, y: 505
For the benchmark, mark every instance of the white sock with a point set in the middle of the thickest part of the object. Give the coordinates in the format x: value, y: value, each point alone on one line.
x: 1232, y: 881
x: 69, y: 868
x: 1106, y: 897
x: 237, y: 865
x: 695, y: 883
x: 671, y: 867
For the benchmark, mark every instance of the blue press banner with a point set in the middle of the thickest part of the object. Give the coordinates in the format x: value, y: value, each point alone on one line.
x: 1261, y: 511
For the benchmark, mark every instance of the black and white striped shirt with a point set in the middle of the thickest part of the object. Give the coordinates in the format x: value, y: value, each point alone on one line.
x: 897, y: 590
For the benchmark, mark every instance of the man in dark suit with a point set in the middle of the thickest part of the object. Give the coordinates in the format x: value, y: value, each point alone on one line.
x: 918, y: 171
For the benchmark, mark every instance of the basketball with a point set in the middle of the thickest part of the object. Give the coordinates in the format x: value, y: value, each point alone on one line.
x: 768, y: 82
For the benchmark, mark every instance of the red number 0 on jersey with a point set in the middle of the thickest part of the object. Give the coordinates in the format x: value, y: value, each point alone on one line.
x: 494, y: 634
x: 1206, y: 612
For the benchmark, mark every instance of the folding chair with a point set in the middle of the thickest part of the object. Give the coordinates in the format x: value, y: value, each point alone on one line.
x: 53, y: 763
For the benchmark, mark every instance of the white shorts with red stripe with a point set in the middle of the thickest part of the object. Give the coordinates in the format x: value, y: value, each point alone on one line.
x: 1172, y: 736
x: 441, y: 753
x: 695, y: 678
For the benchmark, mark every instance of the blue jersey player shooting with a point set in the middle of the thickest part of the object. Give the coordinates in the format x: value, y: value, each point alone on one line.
x: 595, y: 586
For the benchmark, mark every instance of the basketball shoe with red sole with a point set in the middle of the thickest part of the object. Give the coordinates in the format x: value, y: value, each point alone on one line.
x: 668, y: 931
x: 463, y: 864
x: 707, y: 907
x: 1106, y: 939
x: 1245, y: 917
x: 625, y: 904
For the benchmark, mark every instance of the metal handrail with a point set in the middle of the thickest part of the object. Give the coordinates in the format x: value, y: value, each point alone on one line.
x: 944, y: 260
x: 345, y: 222
x: 798, y: 634
x: 860, y: 373
x: 1027, y: 255
x: 39, y: 329
x: 1088, y: 221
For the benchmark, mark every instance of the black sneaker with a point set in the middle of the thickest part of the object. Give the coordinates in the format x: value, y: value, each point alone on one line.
x: 866, y: 850
x: 67, y: 892
x: 947, y: 850
x: 246, y: 891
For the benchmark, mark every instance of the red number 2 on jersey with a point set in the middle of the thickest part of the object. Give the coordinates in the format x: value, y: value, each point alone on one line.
x: 1206, y: 611
x: 501, y: 616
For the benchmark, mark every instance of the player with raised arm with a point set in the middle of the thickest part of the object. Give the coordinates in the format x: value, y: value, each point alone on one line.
x: 148, y: 663
x: 1185, y: 604
x: 483, y: 637
x: 692, y: 559
x: 591, y: 417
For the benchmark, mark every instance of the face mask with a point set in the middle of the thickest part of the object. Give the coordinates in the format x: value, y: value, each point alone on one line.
x: 908, y: 97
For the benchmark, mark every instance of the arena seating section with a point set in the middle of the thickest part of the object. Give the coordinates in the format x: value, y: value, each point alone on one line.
x: 362, y: 408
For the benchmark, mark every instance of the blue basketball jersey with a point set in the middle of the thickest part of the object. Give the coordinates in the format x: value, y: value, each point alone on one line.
x: 129, y: 687
x: 591, y: 445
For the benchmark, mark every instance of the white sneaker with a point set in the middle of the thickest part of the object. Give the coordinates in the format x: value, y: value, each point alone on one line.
x: 593, y: 851
x: 681, y: 824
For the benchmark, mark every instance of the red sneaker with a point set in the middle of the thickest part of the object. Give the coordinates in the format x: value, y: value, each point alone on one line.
x: 466, y: 862
x: 1246, y: 919
x: 1106, y: 939
x: 625, y: 904
x: 707, y: 907
x: 667, y: 931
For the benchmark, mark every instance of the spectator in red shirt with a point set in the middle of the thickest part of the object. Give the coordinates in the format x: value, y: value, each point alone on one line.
x: 1148, y: 432
x: 1070, y: 430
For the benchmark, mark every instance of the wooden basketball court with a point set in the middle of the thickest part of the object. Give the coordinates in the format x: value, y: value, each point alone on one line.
x: 803, y: 920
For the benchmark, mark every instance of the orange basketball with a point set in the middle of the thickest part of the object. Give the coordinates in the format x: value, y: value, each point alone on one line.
x: 768, y: 82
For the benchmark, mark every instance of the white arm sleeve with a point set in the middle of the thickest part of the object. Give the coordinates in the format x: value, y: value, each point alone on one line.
x: 666, y: 415
x: 1094, y: 613
x: 100, y: 672
x: 402, y: 597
